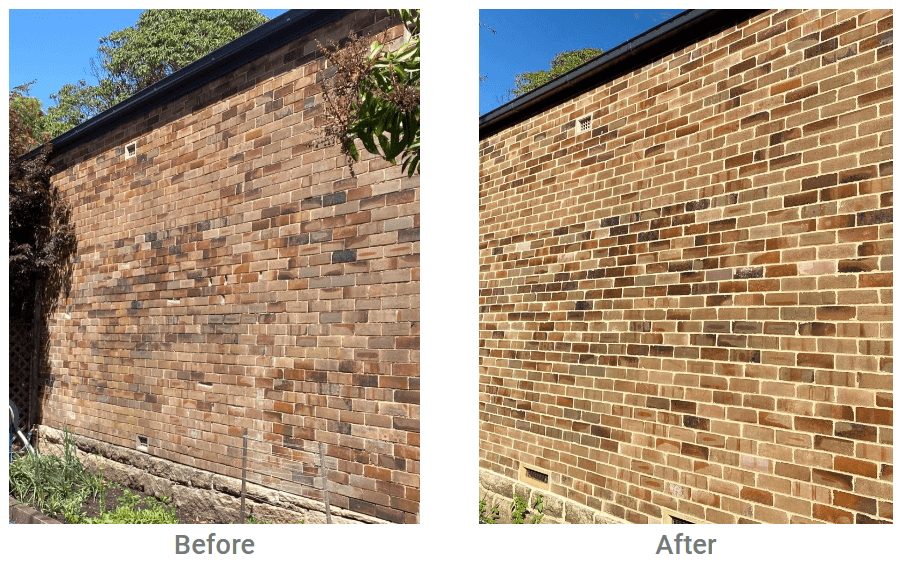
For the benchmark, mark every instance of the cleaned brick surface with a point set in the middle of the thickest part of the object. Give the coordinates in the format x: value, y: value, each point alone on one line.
x: 235, y: 274
x: 689, y: 307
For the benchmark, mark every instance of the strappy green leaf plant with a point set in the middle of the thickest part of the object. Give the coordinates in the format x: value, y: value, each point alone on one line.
x: 374, y: 97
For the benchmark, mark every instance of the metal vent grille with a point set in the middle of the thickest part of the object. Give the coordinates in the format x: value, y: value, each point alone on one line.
x: 537, y: 476
x: 676, y: 520
x: 131, y: 149
x: 584, y: 124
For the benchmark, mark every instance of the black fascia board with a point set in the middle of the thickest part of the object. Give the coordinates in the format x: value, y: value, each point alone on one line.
x: 263, y: 39
x: 680, y: 31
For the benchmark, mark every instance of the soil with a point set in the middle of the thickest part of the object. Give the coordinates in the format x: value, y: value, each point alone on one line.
x: 91, y: 507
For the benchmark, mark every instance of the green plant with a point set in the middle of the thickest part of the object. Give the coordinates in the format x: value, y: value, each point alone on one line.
x: 374, y: 97
x: 538, y: 506
x: 156, y: 511
x: 28, y: 111
x: 129, y: 499
x: 60, y: 485
x: 55, y: 485
x: 488, y: 516
x: 561, y: 64
x: 520, y: 511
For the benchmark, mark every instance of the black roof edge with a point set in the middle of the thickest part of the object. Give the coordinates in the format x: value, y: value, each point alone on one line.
x: 680, y: 31
x: 263, y: 39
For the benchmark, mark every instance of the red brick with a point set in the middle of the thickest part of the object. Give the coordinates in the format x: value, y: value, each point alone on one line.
x: 739, y: 280
x: 204, y: 298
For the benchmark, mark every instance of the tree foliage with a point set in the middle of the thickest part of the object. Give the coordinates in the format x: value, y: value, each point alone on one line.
x: 41, y: 236
x: 374, y: 97
x: 561, y: 64
x: 28, y: 111
x: 159, y: 44
x: 164, y: 41
x: 74, y: 104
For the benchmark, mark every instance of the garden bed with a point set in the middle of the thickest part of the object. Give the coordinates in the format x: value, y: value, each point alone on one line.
x: 132, y: 505
x: 63, y: 489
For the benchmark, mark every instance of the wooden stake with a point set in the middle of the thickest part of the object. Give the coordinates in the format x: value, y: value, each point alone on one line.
x: 244, y: 471
x: 325, y: 484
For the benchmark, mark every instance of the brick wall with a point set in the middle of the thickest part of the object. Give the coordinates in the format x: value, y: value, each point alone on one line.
x: 235, y: 274
x: 688, y: 309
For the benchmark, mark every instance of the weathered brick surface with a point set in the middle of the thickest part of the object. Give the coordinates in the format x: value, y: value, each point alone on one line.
x: 689, y: 307
x: 235, y: 274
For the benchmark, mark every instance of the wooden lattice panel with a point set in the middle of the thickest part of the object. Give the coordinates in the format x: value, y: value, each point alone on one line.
x: 20, y: 350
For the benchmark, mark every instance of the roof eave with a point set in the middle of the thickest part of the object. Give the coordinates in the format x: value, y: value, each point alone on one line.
x: 684, y: 29
x: 263, y: 39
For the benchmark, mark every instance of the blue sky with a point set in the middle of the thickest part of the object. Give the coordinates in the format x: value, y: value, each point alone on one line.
x: 527, y: 40
x: 54, y: 47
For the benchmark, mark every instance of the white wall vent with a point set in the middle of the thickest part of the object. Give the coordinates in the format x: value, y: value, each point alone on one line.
x: 131, y: 149
x: 584, y: 124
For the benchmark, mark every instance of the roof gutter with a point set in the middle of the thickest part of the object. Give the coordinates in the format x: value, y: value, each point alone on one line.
x: 263, y: 39
x: 680, y: 31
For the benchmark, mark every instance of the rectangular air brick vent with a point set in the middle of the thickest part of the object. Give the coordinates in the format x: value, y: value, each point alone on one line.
x: 131, y: 149
x: 584, y: 124
x: 534, y: 477
x: 670, y: 517
x: 142, y: 442
x: 538, y: 476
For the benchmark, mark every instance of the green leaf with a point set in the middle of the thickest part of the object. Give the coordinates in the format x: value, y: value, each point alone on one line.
x: 352, y: 149
x: 378, y: 122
